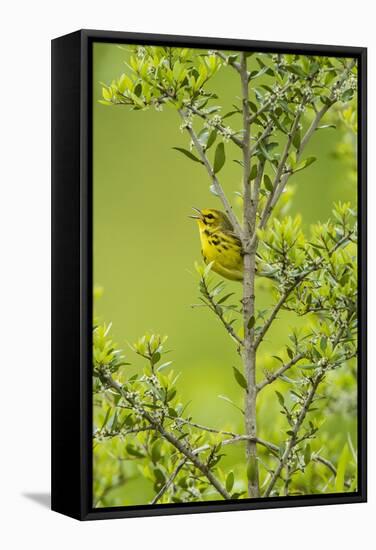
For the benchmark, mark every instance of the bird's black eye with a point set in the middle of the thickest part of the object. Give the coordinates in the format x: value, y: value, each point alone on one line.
x: 209, y: 216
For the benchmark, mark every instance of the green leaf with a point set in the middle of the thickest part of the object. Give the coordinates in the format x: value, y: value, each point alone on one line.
x: 156, y: 451
x: 230, y: 481
x: 138, y: 89
x: 252, y: 106
x: 268, y: 183
x: 228, y: 400
x: 172, y: 412
x: 253, y: 173
x: 271, y: 146
x: 219, y: 157
x: 114, y: 422
x: 295, y: 69
x: 222, y: 300
x: 325, y: 100
x: 323, y: 343
x: 133, y: 451
x: 164, y: 365
x: 297, y: 139
x: 314, y: 68
x: 159, y: 476
x: 203, y: 137
x: 107, y: 93
x: 326, y: 126
x: 307, y: 454
x: 264, y: 152
x: 212, y: 109
x: 240, y: 378
x: 106, y: 418
x: 251, y: 322
x: 155, y: 358
x: 230, y: 113
x: 170, y: 394
x: 208, y: 269
x: 347, y: 95
x: 280, y: 397
x: 188, y: 154
x: 211, y: 139
x: 308, y: 367
x: 304, y: 164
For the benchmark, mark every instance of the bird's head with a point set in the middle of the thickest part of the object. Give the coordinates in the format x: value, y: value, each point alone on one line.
x: 210, y: 218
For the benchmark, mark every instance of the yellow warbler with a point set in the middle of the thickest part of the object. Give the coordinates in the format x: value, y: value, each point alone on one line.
x: 219, y: 244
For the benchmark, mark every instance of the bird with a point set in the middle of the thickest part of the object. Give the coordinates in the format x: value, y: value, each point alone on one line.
x: 219, y: 243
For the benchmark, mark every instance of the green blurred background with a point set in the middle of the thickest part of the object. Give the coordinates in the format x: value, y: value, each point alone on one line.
x: 145, y: 247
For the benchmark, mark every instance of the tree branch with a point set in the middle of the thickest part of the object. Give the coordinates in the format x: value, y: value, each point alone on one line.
x: 270, y: 102
x: 327, y: 463
x: 183, y: 449
x: 201, y: 426
x: 293, y: 439
x: 225, y: 58
x: 279, y: 186
x: 219, y: 314
x: 109, y: 433
x: 269, y: 379
x: 239, y: 439
x: 249, y: 268
x: 264, y: 135
x: 281, y: 165
x: 217, y: 186
x: 284, y: 296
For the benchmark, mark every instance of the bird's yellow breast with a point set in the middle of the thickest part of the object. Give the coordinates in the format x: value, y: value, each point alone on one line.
x: 224, y: 250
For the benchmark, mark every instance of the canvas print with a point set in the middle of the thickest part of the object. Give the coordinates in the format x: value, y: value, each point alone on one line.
x: 225, y: 275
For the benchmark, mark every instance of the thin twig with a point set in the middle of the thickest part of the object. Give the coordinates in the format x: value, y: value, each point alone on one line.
x: 169, y: 482
x: 219, y: 314
x: 281, y: 166
x: 264, y: 135
x: 200, y: 426
x: 217, y: 126
x: 109, y: 433
x: 269, y: 379
x: 326, y: 462
x: 293, y: 439
x: 230, y: 62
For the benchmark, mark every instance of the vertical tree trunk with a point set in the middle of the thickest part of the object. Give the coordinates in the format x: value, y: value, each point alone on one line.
x: 249, y: 353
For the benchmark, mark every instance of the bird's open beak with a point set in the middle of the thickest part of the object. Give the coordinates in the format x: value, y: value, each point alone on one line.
x: 199, y: 217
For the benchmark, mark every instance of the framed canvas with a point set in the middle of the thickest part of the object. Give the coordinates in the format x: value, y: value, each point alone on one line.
x: 208, y: 274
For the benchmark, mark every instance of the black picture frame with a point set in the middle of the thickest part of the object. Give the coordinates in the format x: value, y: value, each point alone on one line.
x: 72, y: 273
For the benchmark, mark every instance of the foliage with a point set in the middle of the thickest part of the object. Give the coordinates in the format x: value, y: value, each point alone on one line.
x: 284, y: 100
x: 144, y: 414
